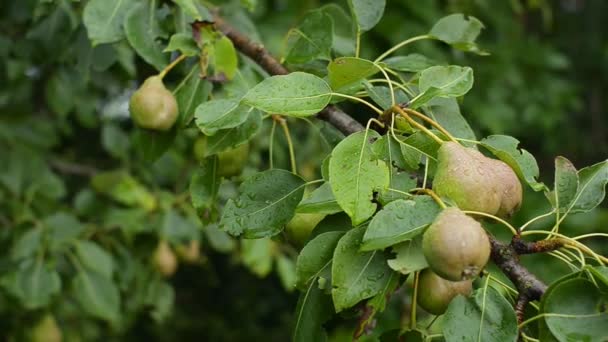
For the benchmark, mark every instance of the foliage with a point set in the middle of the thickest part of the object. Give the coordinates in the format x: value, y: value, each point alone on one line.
x: 87, y: 197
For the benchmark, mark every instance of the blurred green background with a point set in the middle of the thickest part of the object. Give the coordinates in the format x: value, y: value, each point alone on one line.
x: 62, y: 113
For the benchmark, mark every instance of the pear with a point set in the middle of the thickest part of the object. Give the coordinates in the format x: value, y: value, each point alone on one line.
x: 436, y: 293
x: 464, y: 176
x: 191, y: 252
x: 456, y: 246
x: 510, y: 188
x: 300, y: 227
x: 232, y: 161
x: 46, y: 330
x: 152, y: 106
x: 165, y: 260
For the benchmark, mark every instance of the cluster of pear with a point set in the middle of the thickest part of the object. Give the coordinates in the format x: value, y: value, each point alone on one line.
x: 455, y: 245
x: 166, y: 261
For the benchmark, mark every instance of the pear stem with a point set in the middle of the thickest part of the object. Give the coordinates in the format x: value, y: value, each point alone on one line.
x: 414, y: 300
x: 171, y: 66
x: 433, y: 195
x: 498, y: 219
x: 431, y: 122
x: 292, y: 155
x: 417, y: 125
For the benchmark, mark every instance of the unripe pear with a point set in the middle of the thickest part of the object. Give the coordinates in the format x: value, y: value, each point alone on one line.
x: 436, y: 293
x: 165, y: 260
x: 190, y: 252
x: 465, y: 176
x: 510, y: 188
x: 456, y: 246
x: 46, y: 330
x: 232, y: 161
x: 153, y: 106
x: 300, y: 227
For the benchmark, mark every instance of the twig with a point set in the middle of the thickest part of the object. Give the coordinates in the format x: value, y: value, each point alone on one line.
x: 73, y: 169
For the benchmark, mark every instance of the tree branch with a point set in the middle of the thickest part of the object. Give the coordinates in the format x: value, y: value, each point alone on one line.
x: 332, y: 114
x: 505, y: 256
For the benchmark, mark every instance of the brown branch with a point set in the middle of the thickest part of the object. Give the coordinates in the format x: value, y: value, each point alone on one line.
x: 72, y: 169
x: 332, y: 114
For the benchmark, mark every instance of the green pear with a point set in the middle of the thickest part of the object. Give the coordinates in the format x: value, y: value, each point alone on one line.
x: 232, y: 161
x: 46, y: 330
x: 153, y: 106
x: 164, y: 259
x: 510, y: 188
x: 464, y: 176
x: 300, y: 227
x: 456, y: 246
x: 436, y: 293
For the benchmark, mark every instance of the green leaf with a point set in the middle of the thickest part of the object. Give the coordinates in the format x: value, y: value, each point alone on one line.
x: 160, y: 298
x: 313, y: 309
x: 321, y: 201
x: 214, y: 115
x: 401, y: 184
x: 97, y: 295
x: 190, y: 93
x: 344, y: 35
x: 205, y: 183
x: 339, y: 222
x: 194, y: 9
x: 34, y: 283
x: 581, y: 306
x: 399, y: 221
x: 225, y: 61
x: 228, y: 138
x: 447, y: 113
x: 257, y: 255
x: 123, y: 188
x: 376, y: 305
x: 286, y: 269
x: 115, y: 140
x: 314, y: 260
x: 355, y: 174
x: 356, y: 275
x: 95, y: 258
x: 565, y: 184
x: 183, y: 43
x: 443, y: 81
x: 218, y: 239
x: 591, y: 189
x: 27, y: 245
x: 61, y: 229
x: 267, y: 201
x: 382, y: 95
x: 177, y: 229
x: 395, y: 154
x: 409, y: 257
x: 484, y: 316
x: 296, y: 94
x: 141, y: 33
x: 367, y: 13
x: 104, y: 18
x: 414, y: 62
x: 346, y: 71
x: 151, y: 145
x: 459, y: 32
x: 311, y: 40
x: 523, y: 163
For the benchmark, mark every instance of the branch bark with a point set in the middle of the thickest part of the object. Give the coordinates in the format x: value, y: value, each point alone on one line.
x: 505, y: 256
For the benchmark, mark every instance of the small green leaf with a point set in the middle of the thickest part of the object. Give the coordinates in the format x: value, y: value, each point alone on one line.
x: 95, y: 258
x: 443, y: 81
x: 214, y: 115
x: 296, y: 94
x: 414, y: 62
x: 97, y: 295
x: 34, y: 283
x: 141, y: 33
x: 355, y: 174
x: 151, y: 145
x: 401, y: 184
x: 565, y: 184
x: 314, y: 260
x: 484, y: 316
x: 61, y: 229
x: 183, y: 43
x: 123, y: 188
x: 205, y: 183
x: 409, y: 257
x: 225, y: 60
x: 192, y: 91
x: 576, y: 311
x: 321, y: 201
x: 267, y: 201
x: 312, y: 39
x: 313, y: 309
x: 591, y: 189
x: 523, y: 163
x: 286, y: 269
x: 194, y: 9
x: 382, y: 95
x: 104, y: 18
x: 355, y: 275
x: 229, y: 138
x: 399, y: 221
x: 387, y: 148
x: 27, y: 244
x: 346, y: 71
x: 459, y: 32
x: 257, y: 255
x: 367, y: 13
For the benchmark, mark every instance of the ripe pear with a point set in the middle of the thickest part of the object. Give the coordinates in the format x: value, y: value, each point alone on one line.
x: 165, y: 260
x: 511, y: 191
x: 436, y: 293
x: 456, y: 246
x: 153, y: 106
x: 190, y: 252
x: 232, y: 161
x: 465, y: 176
x: 46, y: 330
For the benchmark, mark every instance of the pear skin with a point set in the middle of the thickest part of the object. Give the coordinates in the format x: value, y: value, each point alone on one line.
x: 511, y: 189
x: 436, y: 293
x: 153, y: 106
